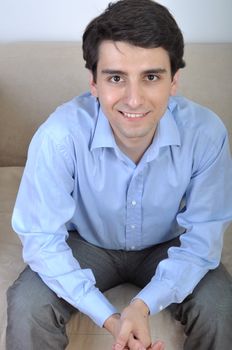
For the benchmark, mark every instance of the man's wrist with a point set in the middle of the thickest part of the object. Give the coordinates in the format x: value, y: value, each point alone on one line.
x: 110, y: 322
x: 141, y: 305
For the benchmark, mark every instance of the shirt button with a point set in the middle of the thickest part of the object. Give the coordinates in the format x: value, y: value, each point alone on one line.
x: 133, y: 227
x: 133, y: 203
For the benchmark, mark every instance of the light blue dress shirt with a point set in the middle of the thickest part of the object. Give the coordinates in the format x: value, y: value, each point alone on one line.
x: 76, y: 177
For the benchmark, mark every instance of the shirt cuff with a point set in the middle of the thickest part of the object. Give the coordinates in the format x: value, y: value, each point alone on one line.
x: 157, y: 295
x: 96, y: 306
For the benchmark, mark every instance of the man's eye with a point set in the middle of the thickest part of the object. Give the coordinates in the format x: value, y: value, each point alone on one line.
x: 115, y: 79
x: 152, y: 77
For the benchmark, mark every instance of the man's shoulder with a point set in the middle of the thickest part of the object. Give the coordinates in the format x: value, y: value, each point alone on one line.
x: 192, y: 116
x: 73, y: 118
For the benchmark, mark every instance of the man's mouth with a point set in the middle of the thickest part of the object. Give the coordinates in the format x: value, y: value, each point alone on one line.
x: 133, y: 115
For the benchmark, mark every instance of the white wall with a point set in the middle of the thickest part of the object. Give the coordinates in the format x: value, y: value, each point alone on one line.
x: 200, y: 20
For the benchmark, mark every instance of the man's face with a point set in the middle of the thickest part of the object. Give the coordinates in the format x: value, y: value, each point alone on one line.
x: 133, y: 86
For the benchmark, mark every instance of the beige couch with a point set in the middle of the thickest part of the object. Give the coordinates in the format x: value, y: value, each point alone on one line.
x: 34, y: 79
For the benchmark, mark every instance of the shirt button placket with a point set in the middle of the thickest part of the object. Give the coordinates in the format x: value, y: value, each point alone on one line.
x: 133, y: 224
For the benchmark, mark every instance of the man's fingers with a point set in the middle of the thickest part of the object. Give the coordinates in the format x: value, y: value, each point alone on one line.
x: 125, y: 348
x: 135, y: 344
x: 123, y: 336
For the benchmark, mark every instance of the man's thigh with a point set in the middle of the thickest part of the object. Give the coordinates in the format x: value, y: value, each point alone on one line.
x: 144, y: 268
x: 212, y: 295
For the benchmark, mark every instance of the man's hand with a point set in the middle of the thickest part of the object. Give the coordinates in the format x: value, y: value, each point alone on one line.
x: 131, y: 330
x: 134, y: 327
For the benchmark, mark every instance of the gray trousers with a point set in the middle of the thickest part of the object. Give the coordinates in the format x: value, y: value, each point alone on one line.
x: 37, y: 317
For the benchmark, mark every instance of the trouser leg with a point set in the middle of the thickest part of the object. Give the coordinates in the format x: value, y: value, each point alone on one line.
x: 207, y: 313
x: 37, y: 317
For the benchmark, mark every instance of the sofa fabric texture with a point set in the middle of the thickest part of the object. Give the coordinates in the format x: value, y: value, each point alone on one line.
x: 34, y: 79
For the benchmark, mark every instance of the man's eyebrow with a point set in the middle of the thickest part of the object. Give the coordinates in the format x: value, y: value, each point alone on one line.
x: 147, y: 71
x: 155, y: 71
x: 113, y: 72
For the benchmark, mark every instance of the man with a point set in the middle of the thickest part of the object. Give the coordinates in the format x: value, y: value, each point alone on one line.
x: 128, y: 183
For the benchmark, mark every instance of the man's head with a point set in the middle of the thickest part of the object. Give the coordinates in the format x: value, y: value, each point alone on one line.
x: 142, y: 23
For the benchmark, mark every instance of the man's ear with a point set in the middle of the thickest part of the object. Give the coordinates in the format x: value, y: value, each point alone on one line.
x: 92, y: 84
x: 175, y: 83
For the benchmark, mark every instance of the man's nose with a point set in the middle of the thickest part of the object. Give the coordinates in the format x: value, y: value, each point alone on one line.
x: 134, y: 96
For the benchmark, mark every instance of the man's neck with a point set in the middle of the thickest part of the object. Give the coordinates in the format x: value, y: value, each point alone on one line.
x: 134, y: 149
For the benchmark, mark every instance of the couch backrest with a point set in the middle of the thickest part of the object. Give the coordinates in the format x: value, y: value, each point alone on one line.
x: 36, y: 77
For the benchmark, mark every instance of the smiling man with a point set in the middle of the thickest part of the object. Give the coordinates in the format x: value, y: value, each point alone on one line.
x: 127, y: 183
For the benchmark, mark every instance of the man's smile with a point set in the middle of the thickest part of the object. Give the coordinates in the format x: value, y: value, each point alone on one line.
x: 133, y: 115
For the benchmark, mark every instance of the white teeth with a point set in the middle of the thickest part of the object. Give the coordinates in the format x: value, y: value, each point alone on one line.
x: 134, y: 115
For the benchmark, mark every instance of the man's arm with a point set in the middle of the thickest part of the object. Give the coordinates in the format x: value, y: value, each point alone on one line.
x: 44, y: 205
x: 205, y: 217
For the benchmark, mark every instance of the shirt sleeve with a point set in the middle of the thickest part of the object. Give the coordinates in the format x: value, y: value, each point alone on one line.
x: 43, y: 206
x: 204, y: 217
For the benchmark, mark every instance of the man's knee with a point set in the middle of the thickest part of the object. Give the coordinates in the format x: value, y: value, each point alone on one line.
x: 24, y: 301
x: 30, y: 297
x: 209, y: 306
x: 213, y: 295
x: 36, y: 316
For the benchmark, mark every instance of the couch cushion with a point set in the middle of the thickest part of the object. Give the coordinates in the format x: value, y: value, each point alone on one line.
x: 37, y: 77
x: 9, y: 183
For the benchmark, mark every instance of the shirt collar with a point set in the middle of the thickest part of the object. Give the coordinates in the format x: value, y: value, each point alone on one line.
x: 103, y: 135
x: 167, y: 132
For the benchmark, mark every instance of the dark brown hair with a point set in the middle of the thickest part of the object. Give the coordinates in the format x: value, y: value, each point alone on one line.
x: 143, y: 23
